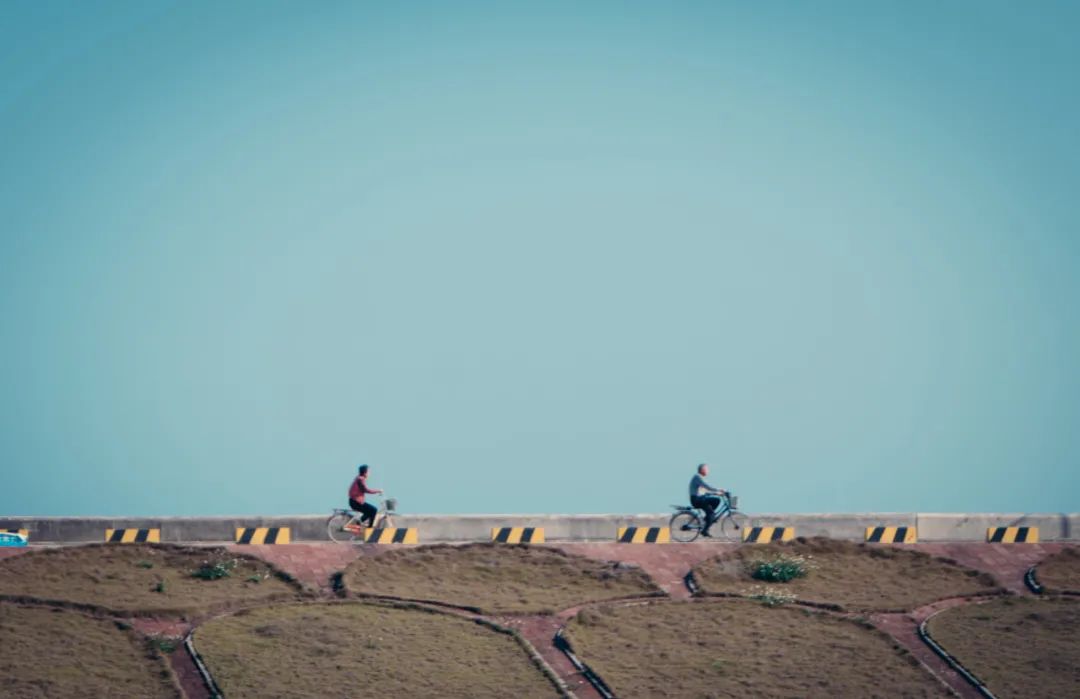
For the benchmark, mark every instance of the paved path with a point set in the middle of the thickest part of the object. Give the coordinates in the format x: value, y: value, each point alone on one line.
x: 540, y: 630
x: 312, y: 564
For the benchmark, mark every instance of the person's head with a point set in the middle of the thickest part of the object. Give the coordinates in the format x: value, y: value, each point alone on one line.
x: 363, y: 470
x: 703, y: 470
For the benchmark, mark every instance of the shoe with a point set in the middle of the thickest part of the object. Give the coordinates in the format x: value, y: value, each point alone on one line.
x: 705, y: 533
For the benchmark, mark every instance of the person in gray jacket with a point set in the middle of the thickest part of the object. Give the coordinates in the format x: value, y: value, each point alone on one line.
x: 705, y: 496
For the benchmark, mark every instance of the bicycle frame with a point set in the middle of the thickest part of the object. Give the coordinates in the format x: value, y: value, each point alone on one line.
x: 725, y: 507
x: 382, y: 519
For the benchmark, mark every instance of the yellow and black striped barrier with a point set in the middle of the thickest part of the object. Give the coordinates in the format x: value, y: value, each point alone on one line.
x: 391, y: 535
x: 132, y: 536
x: 891, y: 535
x: 1012, y: 535
x: 24, y: 533
x: 763, y: 535
x: 518, y: 535
x: 644, y: 535
x: 262, y: 535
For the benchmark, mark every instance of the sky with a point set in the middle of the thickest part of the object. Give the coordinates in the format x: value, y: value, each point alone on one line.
x: 538, y: 257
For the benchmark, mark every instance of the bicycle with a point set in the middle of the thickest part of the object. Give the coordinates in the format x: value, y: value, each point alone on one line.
x: 687, y: 522
x: 344, y: 526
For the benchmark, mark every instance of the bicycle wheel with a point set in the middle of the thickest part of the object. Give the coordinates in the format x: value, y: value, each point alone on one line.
x: 685, y: 526
x: 732, y: 525
x: 335, y: 529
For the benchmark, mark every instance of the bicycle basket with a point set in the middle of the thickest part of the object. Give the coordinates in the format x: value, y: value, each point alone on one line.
x: 391, y: 504
x: 733, y: 501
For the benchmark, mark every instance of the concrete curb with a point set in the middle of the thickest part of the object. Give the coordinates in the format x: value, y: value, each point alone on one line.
x: 955, y: 664
x: 1032, y: 583
x: 215, y: 691
x: 594, y: 679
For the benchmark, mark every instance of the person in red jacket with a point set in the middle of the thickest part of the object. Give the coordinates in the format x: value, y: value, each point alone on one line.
x: 357, y: 491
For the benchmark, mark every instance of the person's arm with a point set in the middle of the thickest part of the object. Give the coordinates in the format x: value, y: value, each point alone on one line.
x: 370, y: 491
x: 718, y: 491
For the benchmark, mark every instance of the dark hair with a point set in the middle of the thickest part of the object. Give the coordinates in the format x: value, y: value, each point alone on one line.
x: 363, y: 470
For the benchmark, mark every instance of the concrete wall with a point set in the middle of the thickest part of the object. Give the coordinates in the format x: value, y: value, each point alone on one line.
x: 452, y: 528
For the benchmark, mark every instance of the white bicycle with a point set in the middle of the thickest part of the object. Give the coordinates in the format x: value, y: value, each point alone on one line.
x: 345, y: 527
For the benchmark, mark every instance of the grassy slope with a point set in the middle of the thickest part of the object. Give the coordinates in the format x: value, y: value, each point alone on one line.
x: 738, y: 648
x: 852, y: 576
x: 495, y: 578
x: 116, y: 577
x: 1061, y: 571
x: 301, y: 651
x: 1018, y: 647
x: 51, y: 653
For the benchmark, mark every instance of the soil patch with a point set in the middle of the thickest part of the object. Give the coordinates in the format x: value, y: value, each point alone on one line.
x: 496, y: 578
x: 142, y: 579
x: 59, y: 653
x: 1060, y: 572
x: 1019, y: 647
x: 846, y: 575
x: 740, y: 648
x: 321, y: 650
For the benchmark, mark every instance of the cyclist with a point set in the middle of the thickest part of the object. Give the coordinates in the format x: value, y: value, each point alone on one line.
x: 357, y: 491
x: 705, y: 496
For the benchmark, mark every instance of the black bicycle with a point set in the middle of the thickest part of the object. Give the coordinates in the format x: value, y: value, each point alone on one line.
x: 687, y: 522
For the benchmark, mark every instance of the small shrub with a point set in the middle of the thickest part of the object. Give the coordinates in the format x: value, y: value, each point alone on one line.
x: 145, y: 564
x: 160, y: 587
x: 254, y: 579
x: 165, y: 644
x: 214, y: 570
x: 769, y: 596
x: 782, y: 568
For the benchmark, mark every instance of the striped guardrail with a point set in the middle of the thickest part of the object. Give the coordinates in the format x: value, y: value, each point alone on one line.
x: 392, y: 535
x: 891, y: 535
x: 644, y: 535
x: 133, y: 536
x: 517, y: 535
x: 1012, y: 535
x: 765, y: 535
x: 263, y: 535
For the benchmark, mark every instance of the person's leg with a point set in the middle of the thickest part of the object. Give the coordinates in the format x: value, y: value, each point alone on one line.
x: 369, y: 511
x: 709, y: 503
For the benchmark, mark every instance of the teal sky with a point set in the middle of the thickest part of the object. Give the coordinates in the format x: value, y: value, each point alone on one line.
x: 538, y: 257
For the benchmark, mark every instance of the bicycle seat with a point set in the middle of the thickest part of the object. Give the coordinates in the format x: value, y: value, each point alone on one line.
x: 683, y: 508
x: 339, y: 511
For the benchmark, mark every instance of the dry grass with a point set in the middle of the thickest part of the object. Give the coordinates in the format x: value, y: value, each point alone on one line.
x: 496, y: 578
x: 1020, y: 647
x: 130, y: 579
x: 53, y: 653
x: 1061, y: 571
x: 858, y: 577
x: 354, y: 649
x: 739, y: 648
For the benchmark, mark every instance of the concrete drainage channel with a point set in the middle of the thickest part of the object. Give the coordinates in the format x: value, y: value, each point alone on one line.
x: 955, y: 664
x: 211, y: 686
x: 594, y: 679
x: 1031, y: 582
